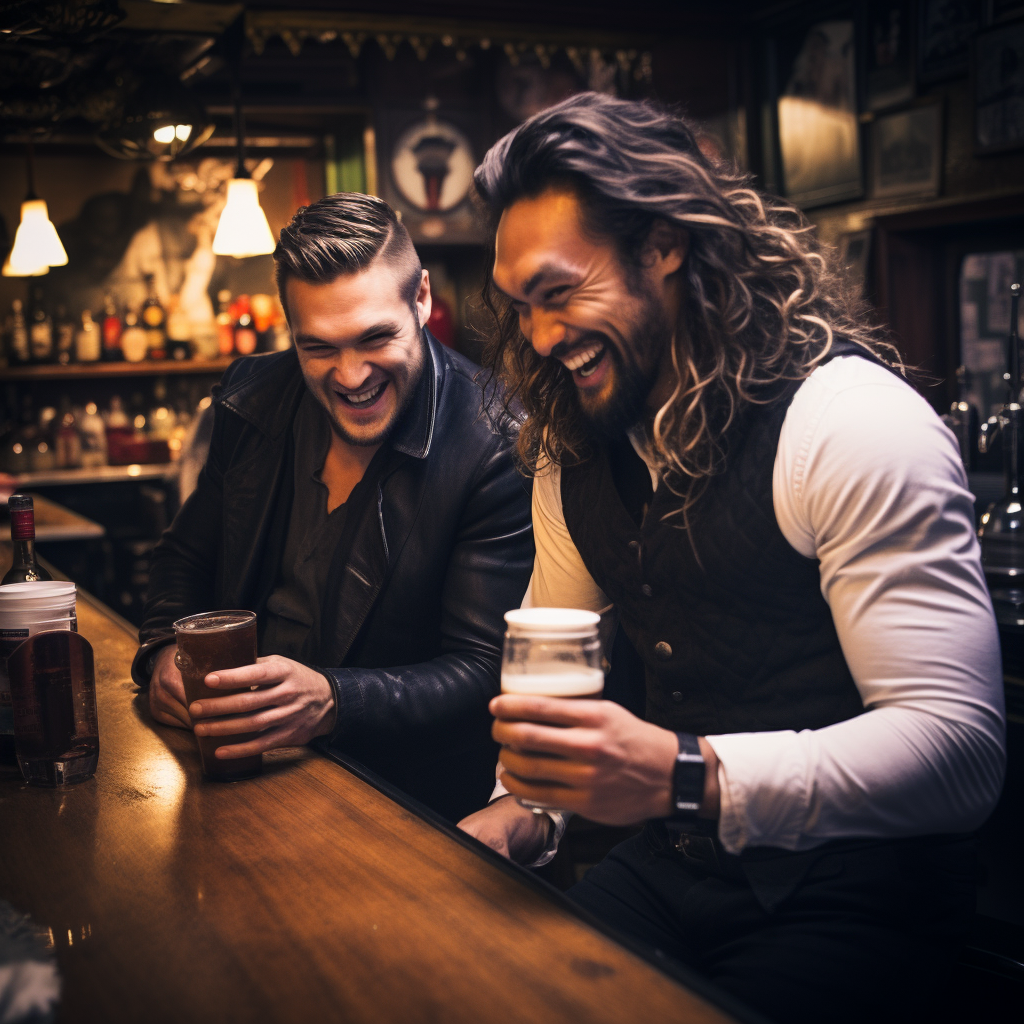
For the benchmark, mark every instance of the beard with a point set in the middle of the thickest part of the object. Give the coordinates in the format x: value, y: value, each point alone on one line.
x: 636, y: 369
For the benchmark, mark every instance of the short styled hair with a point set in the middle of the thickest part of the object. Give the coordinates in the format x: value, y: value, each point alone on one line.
x: 344, y: 234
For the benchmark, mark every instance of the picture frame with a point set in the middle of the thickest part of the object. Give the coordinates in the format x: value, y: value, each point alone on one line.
x: 944, y: 34
x: 998, y: 88
x: 906, y: 153
x: 818, y: 131
x: 889, y: 53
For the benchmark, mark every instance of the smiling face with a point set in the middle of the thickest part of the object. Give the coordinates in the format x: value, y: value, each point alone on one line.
x: 360, y: 346
x: 576, y: 305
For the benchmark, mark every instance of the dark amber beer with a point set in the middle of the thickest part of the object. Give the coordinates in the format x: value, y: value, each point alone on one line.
x: 207, y: 643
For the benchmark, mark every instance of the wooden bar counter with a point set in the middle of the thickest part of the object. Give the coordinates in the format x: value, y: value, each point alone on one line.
x: 304, y: 895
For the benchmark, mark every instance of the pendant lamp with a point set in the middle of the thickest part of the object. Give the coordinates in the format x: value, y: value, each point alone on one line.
x: 37, y: 246
x: 243, y: 229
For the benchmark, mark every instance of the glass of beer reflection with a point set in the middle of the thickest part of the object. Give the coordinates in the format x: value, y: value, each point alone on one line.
x: 552, y: 652
x: 207, y: 643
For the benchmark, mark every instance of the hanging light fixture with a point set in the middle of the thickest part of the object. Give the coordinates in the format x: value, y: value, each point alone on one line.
x: 37, y: 246
x: 161, y: 120
x: 243, y: 229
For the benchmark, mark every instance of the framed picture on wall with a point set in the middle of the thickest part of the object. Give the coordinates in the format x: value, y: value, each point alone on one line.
x: 888, y: 61
x: 945, y: 31
x: 999, y: 89
x: 906, y: 153
x: 818, y: 130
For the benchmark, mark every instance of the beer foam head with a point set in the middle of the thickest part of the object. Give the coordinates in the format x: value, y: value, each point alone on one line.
x: 552, y: 623
x: 578, y: 682
x: 208, y: 621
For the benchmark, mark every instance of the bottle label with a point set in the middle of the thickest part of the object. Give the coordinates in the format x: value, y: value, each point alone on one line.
x: 23, y: 526
x: 245, y: 341
x: 153, y: 316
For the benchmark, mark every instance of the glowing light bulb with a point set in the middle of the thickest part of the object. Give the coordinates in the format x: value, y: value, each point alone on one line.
x: 37, y: 246
x: 243, y: 229
x: 165, y: 134
x: 182, y: 132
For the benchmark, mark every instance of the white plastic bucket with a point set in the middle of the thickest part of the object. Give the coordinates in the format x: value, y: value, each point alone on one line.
x: 27, y: 609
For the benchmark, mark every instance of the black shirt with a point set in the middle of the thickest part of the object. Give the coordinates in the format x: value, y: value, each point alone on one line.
x: 294, y: 606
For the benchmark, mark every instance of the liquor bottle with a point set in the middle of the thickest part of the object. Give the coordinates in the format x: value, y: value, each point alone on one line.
x: 94, y: 437
x: 154, y: 321
x: 112, y: 330
x: 225, y: 324
x: 68, y: 439
x: 88, y: 345
x: 245, y: 330
x: 43, y: 453
x: 179, y: 332
x: 40, y: 328
x: 23, y: 536
x: 134, y: 340
x: 18, y: 349
x: 64, y: 336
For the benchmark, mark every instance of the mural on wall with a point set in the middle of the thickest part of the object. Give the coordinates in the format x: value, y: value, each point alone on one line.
x: 817, y: 116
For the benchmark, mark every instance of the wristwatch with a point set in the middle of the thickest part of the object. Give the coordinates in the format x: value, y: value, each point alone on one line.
x: 687, y: 777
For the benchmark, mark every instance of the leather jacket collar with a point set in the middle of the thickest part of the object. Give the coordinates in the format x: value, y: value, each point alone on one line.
x: 258, y: 398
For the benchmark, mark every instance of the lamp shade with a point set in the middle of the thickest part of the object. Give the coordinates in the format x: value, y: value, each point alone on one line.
x: 243, y: 229
x: 37, y: 245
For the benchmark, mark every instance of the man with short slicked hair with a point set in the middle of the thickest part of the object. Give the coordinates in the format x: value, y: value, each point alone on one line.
x: 360, y: 496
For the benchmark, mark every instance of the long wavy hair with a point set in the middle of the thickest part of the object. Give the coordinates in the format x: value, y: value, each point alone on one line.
x: 762, y: 303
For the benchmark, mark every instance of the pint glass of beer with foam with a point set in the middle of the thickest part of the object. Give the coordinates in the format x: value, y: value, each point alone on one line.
x: 552, y: 652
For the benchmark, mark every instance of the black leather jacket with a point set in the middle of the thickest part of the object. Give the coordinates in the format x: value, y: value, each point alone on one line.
x: 437, y: 546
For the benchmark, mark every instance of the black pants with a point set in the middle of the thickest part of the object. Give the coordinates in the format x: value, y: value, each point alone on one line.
x: 852, y: 931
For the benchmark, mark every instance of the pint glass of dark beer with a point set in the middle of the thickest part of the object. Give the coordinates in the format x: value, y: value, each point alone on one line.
x: 207, y: 643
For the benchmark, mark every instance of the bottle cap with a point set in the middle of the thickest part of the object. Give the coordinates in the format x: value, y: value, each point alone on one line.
x: 23, y: 521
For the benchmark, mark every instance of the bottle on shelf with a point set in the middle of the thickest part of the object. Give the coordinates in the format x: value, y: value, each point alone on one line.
x: 154, y: 322
x: 94, y: 437
x: 18, y: 349
x: 262, y: 309
x: 245, y: 330
x: 119, y: 433
x: 225, y: 324
x: 43, y: 453
x: 26, y: 569
x: 40, y: 327
x: 64, y: 336
x: 161, y: 416
x: 179, y: 332
x: 134, y: 339
x: 88, y: 344
x: 112, y: 330
x: 68, y: 439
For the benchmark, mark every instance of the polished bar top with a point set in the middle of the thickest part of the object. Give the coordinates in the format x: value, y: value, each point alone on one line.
x: 55, y: 522
x: 305, y: 895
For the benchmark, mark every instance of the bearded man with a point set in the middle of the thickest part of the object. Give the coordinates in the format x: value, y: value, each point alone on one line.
x: 727, y: 461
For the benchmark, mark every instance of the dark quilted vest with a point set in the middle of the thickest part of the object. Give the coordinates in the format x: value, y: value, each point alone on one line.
x: 727, y: 617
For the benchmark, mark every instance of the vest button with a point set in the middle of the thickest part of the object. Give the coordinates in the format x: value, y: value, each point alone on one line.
x: 646, y: 590
x: 663, y: 650
x: 634, y: 547
x: 677, y: 696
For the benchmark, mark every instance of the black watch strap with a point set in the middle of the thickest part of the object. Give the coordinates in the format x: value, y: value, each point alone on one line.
x: 687, y: 777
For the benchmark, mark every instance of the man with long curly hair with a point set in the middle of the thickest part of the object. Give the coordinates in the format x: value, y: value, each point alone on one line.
x: 729, y: 463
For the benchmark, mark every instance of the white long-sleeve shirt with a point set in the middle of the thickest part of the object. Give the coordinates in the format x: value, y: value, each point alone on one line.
x: 868, y: 481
